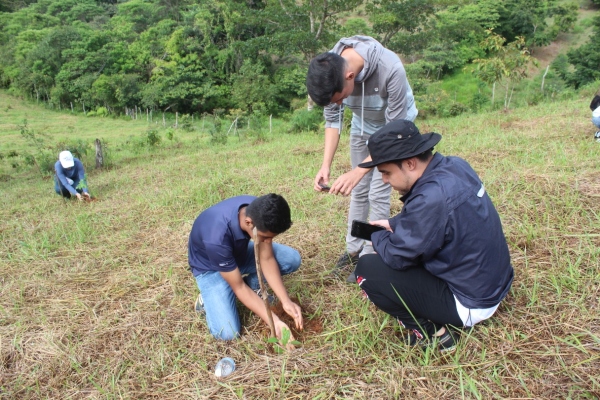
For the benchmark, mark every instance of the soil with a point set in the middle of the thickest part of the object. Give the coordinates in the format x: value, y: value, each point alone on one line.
x: 312, y: 326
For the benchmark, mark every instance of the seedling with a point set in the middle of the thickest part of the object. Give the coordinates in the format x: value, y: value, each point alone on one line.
x: 280, y: 346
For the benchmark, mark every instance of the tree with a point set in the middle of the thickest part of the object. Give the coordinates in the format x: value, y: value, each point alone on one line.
x: 506, y: 65
x: 389, y: 17
x: 586, y: 59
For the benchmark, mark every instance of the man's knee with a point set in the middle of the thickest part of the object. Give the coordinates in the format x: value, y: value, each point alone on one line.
x: 224, y: 333
x: 289, y: 259
x: 365, y: 266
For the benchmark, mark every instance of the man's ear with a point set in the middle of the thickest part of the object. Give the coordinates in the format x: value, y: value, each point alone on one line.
x: 249, y: 223
x: 411, y: 163
x: 350, y: 75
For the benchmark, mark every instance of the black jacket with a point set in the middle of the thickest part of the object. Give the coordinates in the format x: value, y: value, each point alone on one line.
x: 449, y: 226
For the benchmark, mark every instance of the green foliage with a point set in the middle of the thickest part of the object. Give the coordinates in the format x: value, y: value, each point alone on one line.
x: 78, y: 147
x: 186, y: 122
x: 82, y: 184
x: 304, y: 120
x: 40, y: 156
x: 356, y: 26
x: 586, y: 59
x: 280, y: 346
x: 169, y: 133
x: 217, y: 136
x: 507, y: 65
x: 152, y: 137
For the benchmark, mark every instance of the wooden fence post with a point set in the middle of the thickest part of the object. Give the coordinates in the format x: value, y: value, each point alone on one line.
x: 99, y: 156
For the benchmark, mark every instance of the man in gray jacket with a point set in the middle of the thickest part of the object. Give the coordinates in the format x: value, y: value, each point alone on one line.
x: 369, y: 79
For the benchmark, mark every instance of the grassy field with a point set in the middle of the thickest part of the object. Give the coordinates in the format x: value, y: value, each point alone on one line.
x: 96, y: 300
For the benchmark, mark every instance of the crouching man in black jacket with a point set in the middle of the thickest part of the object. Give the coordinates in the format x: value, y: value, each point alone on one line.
x: 443, y: 261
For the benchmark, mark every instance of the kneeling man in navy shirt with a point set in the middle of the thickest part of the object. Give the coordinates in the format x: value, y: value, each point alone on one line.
x: 443, y: 261
x: 221, y: 257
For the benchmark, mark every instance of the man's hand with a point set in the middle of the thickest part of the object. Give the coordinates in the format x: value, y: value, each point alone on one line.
x: 294, y: 311
x: 279, y: 326
x: 78, y: 196
x: 382, y: 222
x: 85, y: 194
x: 322, y: 178
x: 346, y: 182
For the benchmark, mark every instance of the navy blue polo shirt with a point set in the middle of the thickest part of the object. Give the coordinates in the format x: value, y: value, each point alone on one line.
x: 217, y: 242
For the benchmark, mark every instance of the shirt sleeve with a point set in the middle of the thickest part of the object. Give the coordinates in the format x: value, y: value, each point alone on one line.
x: 397, y: 87
x: 418, y: 232
x: 333, y: 116
x: 221, y: 257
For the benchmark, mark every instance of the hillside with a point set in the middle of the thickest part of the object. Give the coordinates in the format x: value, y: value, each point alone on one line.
x: 97, y: 302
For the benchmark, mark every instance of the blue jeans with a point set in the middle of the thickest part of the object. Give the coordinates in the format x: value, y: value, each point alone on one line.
x: 219, y: 300
x: 596, y: 121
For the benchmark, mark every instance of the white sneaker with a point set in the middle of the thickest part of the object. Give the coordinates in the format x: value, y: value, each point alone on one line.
x: 199, y: 304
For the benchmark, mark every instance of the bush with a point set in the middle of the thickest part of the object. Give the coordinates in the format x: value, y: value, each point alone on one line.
x: 78, y: 147
x: 479, y: 101
x: 304, y: 120
x: 216, y: 133
x: 185, y: 121
x: 169, y: 133
x: 102, y: 112
x: 152, y: 137
x: 454, y: 109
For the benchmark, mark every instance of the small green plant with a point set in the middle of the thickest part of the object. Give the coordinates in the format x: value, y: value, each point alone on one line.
x: 82, y: 184
x: 280, y: 346
x: 170, y: 133
x: 41, y: 157
x: 185, y: 121
x: 216, y: 133
x: 152, y: 137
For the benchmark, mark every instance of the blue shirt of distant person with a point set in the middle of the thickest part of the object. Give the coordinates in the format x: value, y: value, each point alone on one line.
x: 69, y: 178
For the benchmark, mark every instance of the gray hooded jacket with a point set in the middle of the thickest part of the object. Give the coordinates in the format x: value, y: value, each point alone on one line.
x: 381, y: 91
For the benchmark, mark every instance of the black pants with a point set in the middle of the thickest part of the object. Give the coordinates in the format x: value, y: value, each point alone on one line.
x: 417, y: 299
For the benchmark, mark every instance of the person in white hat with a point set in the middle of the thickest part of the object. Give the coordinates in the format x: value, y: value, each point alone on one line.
x: 69, y: 179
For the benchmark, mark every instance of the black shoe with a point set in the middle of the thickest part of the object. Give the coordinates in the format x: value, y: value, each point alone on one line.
x: 447, y: 342
x: 347, y: 260
x: 351, y: 278
x: 597, y: 136
x: 345, y: 263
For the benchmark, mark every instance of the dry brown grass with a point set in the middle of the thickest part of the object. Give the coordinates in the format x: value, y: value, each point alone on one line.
x: 96, y: 301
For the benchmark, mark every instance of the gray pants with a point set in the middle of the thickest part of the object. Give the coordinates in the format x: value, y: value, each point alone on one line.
x: 370, y: 199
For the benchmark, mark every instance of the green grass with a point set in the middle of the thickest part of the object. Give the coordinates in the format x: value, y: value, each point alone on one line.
x: 97, y: 302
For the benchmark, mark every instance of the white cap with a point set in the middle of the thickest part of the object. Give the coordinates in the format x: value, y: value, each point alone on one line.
x: 66, y: 159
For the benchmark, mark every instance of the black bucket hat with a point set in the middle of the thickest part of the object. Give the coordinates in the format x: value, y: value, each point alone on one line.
x: 398, y: 140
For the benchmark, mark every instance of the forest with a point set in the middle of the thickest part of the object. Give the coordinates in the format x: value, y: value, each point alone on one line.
x: 251, y: 56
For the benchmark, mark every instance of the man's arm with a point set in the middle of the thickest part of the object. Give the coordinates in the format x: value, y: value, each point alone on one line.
x: 332, y: 139
x: 251, y: 300
x: 270, y: 269
x: 346, y: 182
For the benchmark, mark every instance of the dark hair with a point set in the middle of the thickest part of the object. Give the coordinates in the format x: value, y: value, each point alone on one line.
x: 424, y: 156
x: 325, y: 77
x: 270, y: 213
